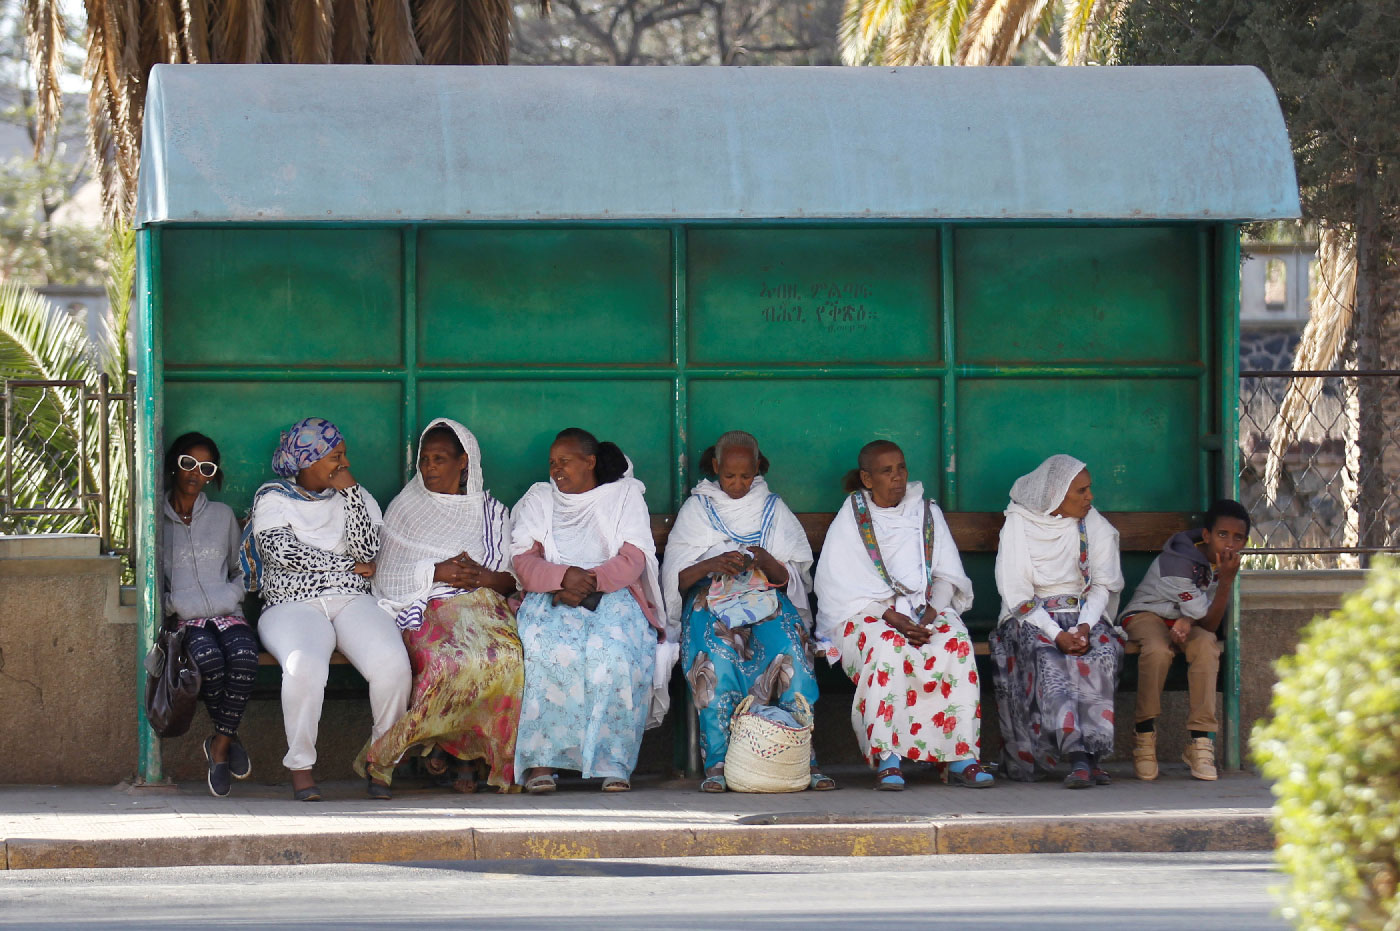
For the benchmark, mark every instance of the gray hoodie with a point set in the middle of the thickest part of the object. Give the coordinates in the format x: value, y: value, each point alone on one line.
x: 202, y: 575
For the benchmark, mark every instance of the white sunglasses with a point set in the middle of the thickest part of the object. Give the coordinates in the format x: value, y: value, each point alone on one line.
x: 189, y: 464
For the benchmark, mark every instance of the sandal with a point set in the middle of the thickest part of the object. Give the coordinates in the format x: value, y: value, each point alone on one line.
x: 377, y: 790
x: 889, y: 779
x: 1101, y: 778
x: 616, y: 784
x: 309, y: 794
x: 714, y: 782
x: 967, y: 777
x: 437, y: 762
x: 543, y: 784
x: 821, y: 783
x: 1079, y: 778
x: 464, y: 778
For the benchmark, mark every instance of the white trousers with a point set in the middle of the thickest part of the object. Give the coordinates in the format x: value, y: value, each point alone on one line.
x: 304, y: 634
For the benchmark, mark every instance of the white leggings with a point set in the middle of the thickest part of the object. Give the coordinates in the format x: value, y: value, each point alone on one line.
x: 303, y: 634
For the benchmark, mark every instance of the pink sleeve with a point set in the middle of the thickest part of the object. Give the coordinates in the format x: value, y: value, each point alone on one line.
x: 536, y: 573
x: 622, y: 570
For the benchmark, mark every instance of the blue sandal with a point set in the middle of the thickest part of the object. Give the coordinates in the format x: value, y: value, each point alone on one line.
x: 714, y: 783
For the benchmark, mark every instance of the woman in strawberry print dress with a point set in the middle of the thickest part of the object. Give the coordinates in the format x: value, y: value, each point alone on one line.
x: 1056, y: 650
x: 890, y: 591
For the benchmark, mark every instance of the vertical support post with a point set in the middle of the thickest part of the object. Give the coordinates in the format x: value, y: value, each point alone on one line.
x: 1205, y: 418
x: 946, y: 310
x: 1228, y: 280
x: 687, y: 723
x: 410, y: 345
x: 149, y: 408
x: 104, y: 466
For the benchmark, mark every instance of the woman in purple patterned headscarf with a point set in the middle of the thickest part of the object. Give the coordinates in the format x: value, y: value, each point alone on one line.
x: 310, y: 548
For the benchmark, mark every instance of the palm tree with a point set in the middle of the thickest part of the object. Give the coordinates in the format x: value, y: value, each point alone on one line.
x: 125, y: 38
x: 977, y: 32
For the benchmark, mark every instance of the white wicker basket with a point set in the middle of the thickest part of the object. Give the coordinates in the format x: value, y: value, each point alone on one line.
x: 765, y: 756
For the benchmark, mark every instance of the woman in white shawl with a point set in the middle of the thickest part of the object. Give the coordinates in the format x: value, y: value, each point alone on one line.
x: 735, y: 579
x: 591, y: 618
x: 890, y: 594
x: 444, y: 573
x: 1056, y: 650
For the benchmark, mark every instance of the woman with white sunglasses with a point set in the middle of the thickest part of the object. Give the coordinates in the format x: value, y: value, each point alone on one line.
x: 204, y: 591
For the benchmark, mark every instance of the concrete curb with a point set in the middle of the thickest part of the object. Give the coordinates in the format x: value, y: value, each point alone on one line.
x: 1130, y: 833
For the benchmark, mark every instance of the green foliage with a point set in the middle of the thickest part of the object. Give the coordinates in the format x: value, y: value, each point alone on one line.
x: 1332, y: 750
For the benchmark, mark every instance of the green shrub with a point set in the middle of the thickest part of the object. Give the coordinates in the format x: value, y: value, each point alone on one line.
x: 1332, y: 751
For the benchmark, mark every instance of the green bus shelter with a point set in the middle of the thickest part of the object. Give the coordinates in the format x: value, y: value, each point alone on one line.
x: 987, y: 265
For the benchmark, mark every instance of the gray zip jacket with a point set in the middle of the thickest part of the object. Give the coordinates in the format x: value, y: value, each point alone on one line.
x: 202, y: 575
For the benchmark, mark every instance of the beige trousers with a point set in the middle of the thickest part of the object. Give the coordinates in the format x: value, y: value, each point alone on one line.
x: 1202, y: 650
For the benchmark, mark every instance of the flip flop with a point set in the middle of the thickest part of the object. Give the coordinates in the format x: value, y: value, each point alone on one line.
x: 614, y: 784
x: 542, y: 784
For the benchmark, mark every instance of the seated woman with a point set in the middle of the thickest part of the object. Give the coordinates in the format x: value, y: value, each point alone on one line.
x: 1178, y: 608
x: 735, y: 580
x: 442, y: 573
x: 890, y: 589
x: 589, y: 624
x: 310, y: 548
x: 1057, y: 654
x: 204, y: 591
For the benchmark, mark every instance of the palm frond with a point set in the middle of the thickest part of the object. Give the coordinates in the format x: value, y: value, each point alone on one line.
x: 996, y: 29
x: 194, y: 30
x: 391, y: 34
x: 240, y: 32
x: 1320, y: 347
x: 350, y: 39
x: 311, y: 31
x: 1084, y: 26
x: 452, y: 33
x: 865, y: 27
x: 44, y: 32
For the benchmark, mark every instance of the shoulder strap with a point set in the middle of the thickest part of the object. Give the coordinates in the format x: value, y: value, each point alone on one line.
x: 872, y: 546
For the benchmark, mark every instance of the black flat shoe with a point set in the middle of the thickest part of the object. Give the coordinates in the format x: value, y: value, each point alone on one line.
x: 309, y: 794
x: 218, y: 776
x: 239, y: 765
x: 377, y: 791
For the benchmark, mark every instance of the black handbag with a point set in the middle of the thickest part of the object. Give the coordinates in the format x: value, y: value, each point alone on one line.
x: 172, y: 684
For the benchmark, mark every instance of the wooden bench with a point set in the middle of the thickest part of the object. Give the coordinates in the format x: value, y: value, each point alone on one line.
x: 974, y: 531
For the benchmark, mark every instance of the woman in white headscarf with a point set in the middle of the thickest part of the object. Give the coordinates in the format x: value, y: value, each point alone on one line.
x: 1056, y: 650
x: 735, y: 579
x: 890, y: 594
x: 444, y: 573
x: 597, y: 660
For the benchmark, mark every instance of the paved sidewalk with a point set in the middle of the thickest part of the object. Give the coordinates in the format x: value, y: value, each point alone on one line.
x: 66, y: 826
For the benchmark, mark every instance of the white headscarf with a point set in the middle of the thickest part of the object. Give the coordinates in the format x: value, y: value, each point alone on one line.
x: 1038, y: 554
x: 422, y: 528
x: 847, y: 581
x: 695, y: 537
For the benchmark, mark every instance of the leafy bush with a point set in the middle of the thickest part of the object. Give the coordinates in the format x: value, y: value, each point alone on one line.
x: 1332, y: 750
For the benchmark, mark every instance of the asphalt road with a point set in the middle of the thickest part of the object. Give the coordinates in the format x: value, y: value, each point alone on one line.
x: 1075, y: 892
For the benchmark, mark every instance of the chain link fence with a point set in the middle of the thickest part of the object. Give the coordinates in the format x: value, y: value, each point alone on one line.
x: 69, y: 454
x: 1322, y: 483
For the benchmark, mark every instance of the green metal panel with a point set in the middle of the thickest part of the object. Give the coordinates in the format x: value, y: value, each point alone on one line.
x: 146, y: 526
x: 1071, y: 295
x: 811, y: 430
x: 1138, y: 436
x: 246, y: 419
x: 806, y: 296
x: 304, y: 297
x: 515, y: 421
x: 544, y: 296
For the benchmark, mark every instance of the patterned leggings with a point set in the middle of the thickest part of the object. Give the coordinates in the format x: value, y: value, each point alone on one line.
x: 228, y: 664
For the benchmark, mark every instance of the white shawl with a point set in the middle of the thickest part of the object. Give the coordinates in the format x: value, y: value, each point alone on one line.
x: 1038, y: 553
x: 588, y: 529
x: 695, y: 537
x: 422, y: 528
x: 847, y: 581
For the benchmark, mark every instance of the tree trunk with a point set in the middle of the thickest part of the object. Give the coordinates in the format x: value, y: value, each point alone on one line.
x: 1370, y: 391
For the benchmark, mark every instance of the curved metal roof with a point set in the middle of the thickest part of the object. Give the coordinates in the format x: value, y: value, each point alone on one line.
x: 371, y: 143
